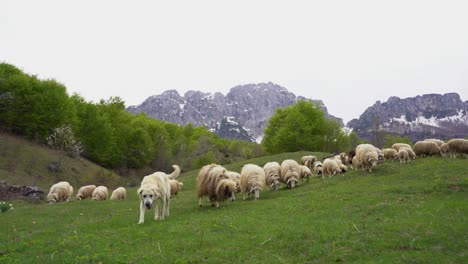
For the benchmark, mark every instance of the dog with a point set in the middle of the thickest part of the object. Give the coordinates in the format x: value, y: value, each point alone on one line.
x: 156, y: 187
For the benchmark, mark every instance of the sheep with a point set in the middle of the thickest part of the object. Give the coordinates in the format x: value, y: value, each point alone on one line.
x: 61, y: 191
x: 355, y: 163
x: 390, y: 153
x: 397, y: 146
x: 252, y: 180
x: 445, y: 149
x: 119, y: 194
x: 410, y: 151
x: 403, y: 155
x: 308, y: 161
x: 85, y: 192
x: 367, y: 156
x: 457, y: 146
x: 176, y: 186
x: 305, y: 172
x: 338, y: 159
x: 380, y: 155
x: 272, y: 175
x: 437, y: 141
x: 330, y: 167
x: 235, y: 177
x: 100, y: 193
x: 213, y: 182
x: 290, y: 173
x: 426, y: 148
x: 318, y: 167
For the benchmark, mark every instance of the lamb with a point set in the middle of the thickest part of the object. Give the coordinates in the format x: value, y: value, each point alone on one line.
x: 410, y: 151
x: 235, y: 177
x: 403, y: 155
x: 437, y: 141
x: 252, y: 180
x: 330, y: 167
x: 85, y: 192
x: 458, y: 146
x: 290, y: 173
x: 100, y: 193
x: 318, y: 167
x: 213, y: 182
x: 119, y: 194
x: 176, y: 186
x: 426, y: 148
x: 397, y: 146
x: 445, y: 149
x: 390, y: 153
x: 272, y: 175
x: 367, y: 156
x: 305, y: 172
x: 308, y: 161
x: 61, y: 191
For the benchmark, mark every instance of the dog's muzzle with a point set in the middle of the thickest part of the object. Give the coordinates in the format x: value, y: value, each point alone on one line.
x: 148, y: 205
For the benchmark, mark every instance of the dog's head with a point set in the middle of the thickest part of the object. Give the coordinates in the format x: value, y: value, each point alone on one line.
x: 148, y: 194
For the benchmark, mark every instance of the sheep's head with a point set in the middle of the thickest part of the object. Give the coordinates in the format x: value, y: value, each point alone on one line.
x: 52, y: 198
x: 373, y: 162
x: 291, y: 183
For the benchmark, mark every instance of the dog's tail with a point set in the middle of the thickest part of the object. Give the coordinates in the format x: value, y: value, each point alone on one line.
x: 175, y: 173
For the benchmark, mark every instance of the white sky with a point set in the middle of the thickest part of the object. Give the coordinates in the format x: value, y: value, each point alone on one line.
x: 347, y: 53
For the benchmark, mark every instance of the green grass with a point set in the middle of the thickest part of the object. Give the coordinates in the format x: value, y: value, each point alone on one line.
x: 410, y: 213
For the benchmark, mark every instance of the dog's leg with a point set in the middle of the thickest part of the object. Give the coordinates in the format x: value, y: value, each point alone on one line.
x: 162, y: 212
x: 142, y: 213
x: 167, y: 205
x: 156, y: 211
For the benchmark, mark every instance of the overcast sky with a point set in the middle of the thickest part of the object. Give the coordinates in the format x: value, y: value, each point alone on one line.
x: 347, y: 53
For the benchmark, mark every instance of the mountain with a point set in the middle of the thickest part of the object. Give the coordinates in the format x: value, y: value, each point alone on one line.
x: 242, y: 114
x: 424, y: 116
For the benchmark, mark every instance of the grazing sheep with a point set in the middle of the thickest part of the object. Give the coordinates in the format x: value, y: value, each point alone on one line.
x: 397, y: 146
x: 437, y: 141
x: 445, y: 149
x: 338, y: 159
x: 100, y: 193
x: 457, y: 146
x: 367, y: 156
x: 61, y: 191
x: 213, y: 182
x: 272, y: 175
x: 426, y: 148
x: 235, y: 177
x: 390, y: 153
x: 290, y: 173
x: 355, y: 163
x: 176, y: 186
x: 252, y: 180
x: 119, y: 194
x: 308, y: 161
x: 85, y: 192
x: 403, y: 155
x: 305, y: 173
x: 318, y: 168
x: 330, y: 167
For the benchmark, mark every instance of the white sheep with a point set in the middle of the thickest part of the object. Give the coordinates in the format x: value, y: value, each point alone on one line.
x: 85, y: 192
x: 272, y: 175
x: 290, y: 172
x: 235, y: 177
x: 61, y: 191
x: 338, y: 159
x: 308, y: 161
x: 330, y: 167
x: 390, y: 153
x: 213, y: 182
x: 367, y: 156
x: 397, y: 146
x: 176, y: 186
x: 458, y: 146
x: 410, y: 151
x: 252, y: 180
x: 403, y: 155
x: 445, y: 149
x: 119, y: 194
x: 318, y: 168
x: 437, y: 141
x: 100, y: 193
x: 426, y: 148
x: 305, y: 172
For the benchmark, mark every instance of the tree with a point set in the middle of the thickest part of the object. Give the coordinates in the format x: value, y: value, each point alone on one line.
x: 64, y: 141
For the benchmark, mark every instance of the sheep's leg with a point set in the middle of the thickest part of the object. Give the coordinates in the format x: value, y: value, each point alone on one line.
x: 199, y: 202
x: 244, y: 197
x: 217, y: 204
x: 142, y: 213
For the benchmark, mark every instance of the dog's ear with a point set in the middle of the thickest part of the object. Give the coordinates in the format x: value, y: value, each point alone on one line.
x: 139, y: 191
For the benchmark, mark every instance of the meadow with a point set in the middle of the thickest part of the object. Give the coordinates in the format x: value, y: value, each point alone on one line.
x: 400, y: 213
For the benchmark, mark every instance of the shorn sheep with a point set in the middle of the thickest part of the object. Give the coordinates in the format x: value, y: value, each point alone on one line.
x: 100, y: 193
x: 403, y: 155
x: 437, y: 141
x: 367, y: 156
x: 305, y: 172
x: 397, y: 146
x: 272, y: 175
x: 176, y: 186
x: 410, y: 151
x: 426, y: 148
x: 308, y: 161
x: 445, y: 149
x: 119, y: 194
x: 59, y: 192
x: 390, y: 154
x: 213, y: 182
x: 330, y: 167
x: 318, y: 168
x: 457, y: 146
x: 252, y: 180
x: 85, y: 192
x: 290, y: 173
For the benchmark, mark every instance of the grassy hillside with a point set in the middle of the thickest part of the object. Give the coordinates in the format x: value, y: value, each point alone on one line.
x: 411, y: 213
x: 23, y: 162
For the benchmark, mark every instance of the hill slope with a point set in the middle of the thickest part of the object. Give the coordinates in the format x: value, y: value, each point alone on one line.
x: 25, y: 163
x: 401, y: 213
